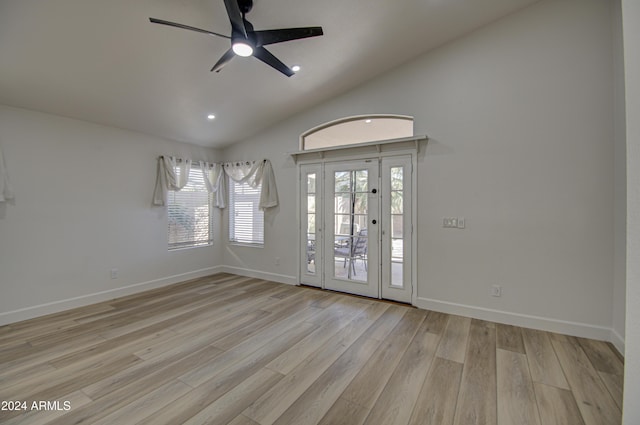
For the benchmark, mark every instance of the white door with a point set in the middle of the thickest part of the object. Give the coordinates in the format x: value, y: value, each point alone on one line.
x: 351, y: 227
x: 396, y: 229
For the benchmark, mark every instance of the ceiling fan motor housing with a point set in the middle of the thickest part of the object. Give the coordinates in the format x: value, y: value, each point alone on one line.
x: 245, y: 6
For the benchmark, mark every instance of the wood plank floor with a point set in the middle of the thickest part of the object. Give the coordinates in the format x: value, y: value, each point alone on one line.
x: 234, y: 350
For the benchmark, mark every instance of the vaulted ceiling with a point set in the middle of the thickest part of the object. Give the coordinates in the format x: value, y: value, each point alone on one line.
x: 104, y: 62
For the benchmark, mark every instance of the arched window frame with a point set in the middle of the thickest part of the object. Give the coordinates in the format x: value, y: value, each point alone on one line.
x: 344, y: 120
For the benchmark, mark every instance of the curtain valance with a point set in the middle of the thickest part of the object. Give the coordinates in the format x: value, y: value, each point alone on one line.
x: 6, y: 192
x: 167, y: 179
x: 253, y: 173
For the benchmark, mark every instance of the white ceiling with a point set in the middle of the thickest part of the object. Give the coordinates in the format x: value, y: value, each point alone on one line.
x: 102, y: 61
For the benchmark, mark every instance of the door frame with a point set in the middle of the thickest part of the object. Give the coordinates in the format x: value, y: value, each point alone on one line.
x: 340, y: 156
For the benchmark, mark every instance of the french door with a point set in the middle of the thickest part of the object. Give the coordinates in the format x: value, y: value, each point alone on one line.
x: 356, y: 232
x: 351, y: 224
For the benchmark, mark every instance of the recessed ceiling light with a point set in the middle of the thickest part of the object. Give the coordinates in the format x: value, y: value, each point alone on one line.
x: 211, y: 117
x: 295, y: 68
x: 368, y: 121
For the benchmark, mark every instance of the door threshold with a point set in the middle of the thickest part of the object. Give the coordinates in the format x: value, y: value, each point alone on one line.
x: 399, y: 303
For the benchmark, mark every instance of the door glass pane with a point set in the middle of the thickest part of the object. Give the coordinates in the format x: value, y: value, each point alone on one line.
x: 350, y: 219
x: 396, y: 178
x: 342, y: 203
x: 350, y: 259
x: 311, y: 253
x: 361, y: 180
x: 397, y: 204
x: 311, y: 183
x: 360, y: 204
x: 360, y: 223
x: 343, y: 225
x: 311, y: 223
x: 396, y: 210
x: 311, y: 203
x: 397, y: 256
x: 343, y: 181
x: 397, y: 226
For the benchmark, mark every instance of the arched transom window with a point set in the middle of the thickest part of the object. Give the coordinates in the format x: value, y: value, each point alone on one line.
x: 358, y: 129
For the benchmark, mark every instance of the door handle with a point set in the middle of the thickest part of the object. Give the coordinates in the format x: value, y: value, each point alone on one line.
x: 374, y: 221
x: 374, y: 190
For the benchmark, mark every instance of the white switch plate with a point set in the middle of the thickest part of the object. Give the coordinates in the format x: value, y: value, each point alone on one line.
x: 453, y: 222
x: 450, y: 222
x: 495, y: 291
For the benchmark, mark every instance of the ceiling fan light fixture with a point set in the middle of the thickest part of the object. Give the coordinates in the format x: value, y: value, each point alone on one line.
x: 247, y: 42
x: 295, y: 68
x: 242, y: 48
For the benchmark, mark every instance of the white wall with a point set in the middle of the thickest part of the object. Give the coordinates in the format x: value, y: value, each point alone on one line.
x: 83, y: 207
x: 521, y: 123
x: 631, y: 27
x: 521, y: 120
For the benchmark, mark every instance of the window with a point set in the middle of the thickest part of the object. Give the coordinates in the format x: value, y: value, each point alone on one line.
x: 358, y: 129
x: 189, y: 212
x: 246, y: 220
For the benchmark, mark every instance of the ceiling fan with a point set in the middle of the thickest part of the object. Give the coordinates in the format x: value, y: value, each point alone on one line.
x: 245, y: 41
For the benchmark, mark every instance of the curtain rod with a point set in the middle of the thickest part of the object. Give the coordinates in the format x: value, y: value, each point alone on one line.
x: 222, y: 163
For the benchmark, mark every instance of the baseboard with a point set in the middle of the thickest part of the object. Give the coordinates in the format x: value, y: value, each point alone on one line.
x: 617, y: 341
x: 274, y: 277
x: 583, y: 330
x: 84, y: 300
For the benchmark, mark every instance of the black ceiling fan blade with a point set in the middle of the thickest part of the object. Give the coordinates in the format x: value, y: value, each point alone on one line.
x: 225, y: 59
x: 266, y: 37
x: 265, y: 56
x: 235, y: 16
x: 186, y: 27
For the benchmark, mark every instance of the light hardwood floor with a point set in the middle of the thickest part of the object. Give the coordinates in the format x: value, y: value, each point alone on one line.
x: 234, y: 350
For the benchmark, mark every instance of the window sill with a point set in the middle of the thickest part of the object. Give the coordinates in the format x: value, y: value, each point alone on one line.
x: 250, y: 245
x: 182, y: 248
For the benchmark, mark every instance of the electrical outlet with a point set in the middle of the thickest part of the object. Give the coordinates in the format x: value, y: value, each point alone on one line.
x: 114, y: 273
x: 277, y: 261
x: 495, y: 291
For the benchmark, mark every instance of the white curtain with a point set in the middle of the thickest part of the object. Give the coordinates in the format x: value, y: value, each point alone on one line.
x: 166, y: 178
x: 255, y: 173
x: 6, y: 192
x: 213, y: 175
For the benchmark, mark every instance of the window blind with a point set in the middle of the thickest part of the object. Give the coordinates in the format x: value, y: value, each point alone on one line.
x: 189, y: 213
x: 246, y: 221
